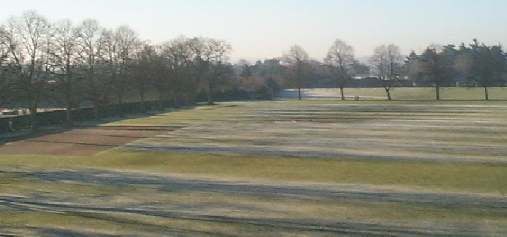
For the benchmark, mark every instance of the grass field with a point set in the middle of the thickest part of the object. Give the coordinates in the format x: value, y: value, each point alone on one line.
x: 281, y: 168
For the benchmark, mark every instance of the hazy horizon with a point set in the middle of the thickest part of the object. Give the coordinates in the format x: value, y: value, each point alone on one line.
x: 265, y: 29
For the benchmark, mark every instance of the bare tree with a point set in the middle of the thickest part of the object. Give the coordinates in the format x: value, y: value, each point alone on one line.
x: 178, y: 79
x: 91, y: 56
x: 145, y: 69
x: 207, y: 55
x: 126, y: 43
x: 91, y: 64
x: 340, y: 59
x: 109, y: 61
x: 386, y: 62
x: 4, y: 69
x: 297, y: 58
x: 217, y: 55
x: 28, y: 37
x: 64, y: 62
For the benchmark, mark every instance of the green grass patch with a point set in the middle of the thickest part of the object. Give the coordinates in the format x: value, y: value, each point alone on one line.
x: 442, y: 176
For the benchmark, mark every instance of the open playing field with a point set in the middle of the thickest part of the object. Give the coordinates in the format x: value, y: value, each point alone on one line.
x: 281, y: 168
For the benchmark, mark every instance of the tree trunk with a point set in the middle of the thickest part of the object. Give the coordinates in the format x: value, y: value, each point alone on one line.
x: 342, y: 93
x: 210, y: 99
x: 388, y: 93
x: 34, y: 125
x: 437, y: 91
x: 210, y: 93
x: 119, y: 107
x: 143, y: 103
x: 69, y: 94
x: 69, y: 106
x: 298, y: 76
x: 68, y: 117
x: 486, y: 93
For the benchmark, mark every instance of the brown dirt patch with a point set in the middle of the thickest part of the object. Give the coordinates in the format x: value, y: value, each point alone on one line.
x: 80, y: 141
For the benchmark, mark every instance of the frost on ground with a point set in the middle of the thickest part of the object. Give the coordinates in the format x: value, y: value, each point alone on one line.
x: 347, y: 131
x: 268, y: 208
x: 282, y: 168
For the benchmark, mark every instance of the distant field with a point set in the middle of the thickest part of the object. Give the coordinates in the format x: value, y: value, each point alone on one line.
x: 280, y: 168
x: 403, y: 93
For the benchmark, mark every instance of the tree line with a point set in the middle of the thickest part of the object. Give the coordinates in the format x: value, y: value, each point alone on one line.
x: 476, y: 64
x: 86, y: 64
x: 72, y: 65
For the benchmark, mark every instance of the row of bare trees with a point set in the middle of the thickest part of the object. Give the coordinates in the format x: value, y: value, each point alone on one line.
x: 86, y: 63
x: 339, y: 61
x: 476, y: 64
x: 90, y: 65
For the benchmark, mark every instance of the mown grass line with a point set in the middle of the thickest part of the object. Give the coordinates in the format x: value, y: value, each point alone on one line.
x: 475, y: 178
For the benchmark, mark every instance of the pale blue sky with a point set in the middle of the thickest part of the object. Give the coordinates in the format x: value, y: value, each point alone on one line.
x: 266, y: 28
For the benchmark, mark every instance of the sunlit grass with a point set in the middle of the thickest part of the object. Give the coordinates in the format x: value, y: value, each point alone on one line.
x: 440, y: 176
x: 374, y: 128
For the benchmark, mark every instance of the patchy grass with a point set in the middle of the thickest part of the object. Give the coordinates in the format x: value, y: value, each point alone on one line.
x: 476, y: 178
x: 450, y: 147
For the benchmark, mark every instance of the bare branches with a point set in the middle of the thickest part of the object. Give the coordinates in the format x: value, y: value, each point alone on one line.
x: 295, y: 55
x: 297, y: 58
x: 340, y: 55
x: 28, y: 38
x: 4, y: 76
x: 386, y: 63
x: 207, y: 57
x: 340, y: 59
x: 65, y: 59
